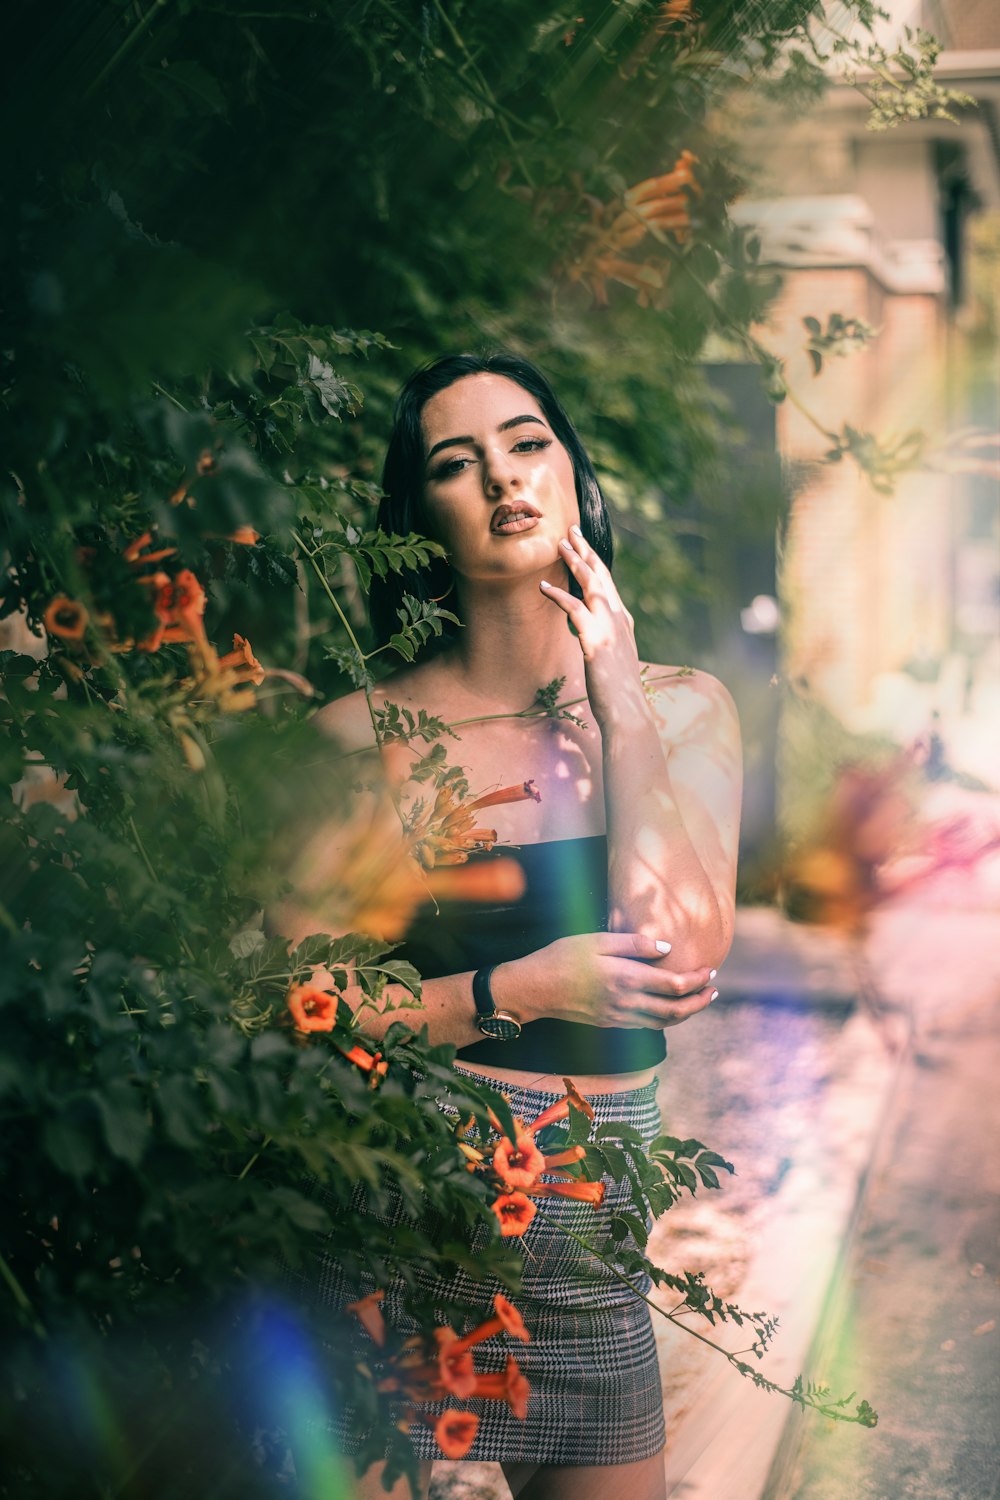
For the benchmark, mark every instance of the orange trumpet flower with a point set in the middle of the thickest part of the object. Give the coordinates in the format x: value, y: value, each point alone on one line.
x: 448, y: 833
x: 655, y: 189
x: 66, y: 617
x: 565, y: 1158
x: 242, y: 661
x: 508, y: 1385
x: 375, y: 1065
x: 507, y: 1320
x: 455, y: 1432
x: 657, y: 205
x: 515, y: 1212
x: 583, y: 1192
x: 313, y: 1009
x: 131, y: 553
x: 518, y: 1163
x: 560, y: 1109
x: 456, y: 1372
x: 179, y: 605
x: 369, y: 1315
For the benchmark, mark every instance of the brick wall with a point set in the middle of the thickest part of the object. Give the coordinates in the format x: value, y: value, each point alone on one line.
x: 971, y: 24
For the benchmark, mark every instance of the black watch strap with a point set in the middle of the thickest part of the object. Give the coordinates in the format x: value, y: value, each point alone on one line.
x: 499, y: 1025
x: 482, y: 994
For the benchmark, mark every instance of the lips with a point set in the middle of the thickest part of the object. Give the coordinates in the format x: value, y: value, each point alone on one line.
x: 511, y: 516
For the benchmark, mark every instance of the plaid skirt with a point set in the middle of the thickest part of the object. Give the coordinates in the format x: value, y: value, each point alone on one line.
x: 596, y: 1396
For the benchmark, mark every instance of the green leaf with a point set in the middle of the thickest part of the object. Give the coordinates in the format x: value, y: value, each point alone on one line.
x: 579, y: 1127
x: 305, y: 1212
x: 402, y: 972
x: 632, y: 1225
x: 126, y: 1123
x: 615, y: 1161
x: 69, y: 1145
x: 245, y: 942
x: 615, y: 1130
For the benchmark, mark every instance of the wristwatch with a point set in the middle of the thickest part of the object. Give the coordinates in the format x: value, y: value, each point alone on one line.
x: 498, y: 1024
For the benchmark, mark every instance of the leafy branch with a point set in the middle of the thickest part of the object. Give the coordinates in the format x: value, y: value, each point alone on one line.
x: 803, y: 1393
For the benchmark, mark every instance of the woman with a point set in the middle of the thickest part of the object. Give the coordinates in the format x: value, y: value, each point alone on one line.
x: 637, y: 818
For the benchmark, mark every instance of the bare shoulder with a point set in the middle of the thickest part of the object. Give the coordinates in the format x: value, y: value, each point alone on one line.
x: 690, y: 703
x: 348, y: 720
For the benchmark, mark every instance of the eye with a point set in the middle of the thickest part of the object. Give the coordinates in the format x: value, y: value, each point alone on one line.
x: 529, y: 445
x: 450, y: 466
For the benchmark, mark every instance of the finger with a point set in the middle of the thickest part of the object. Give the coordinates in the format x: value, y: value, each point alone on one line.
x: 667, y: 983
x: 576, y: 563
x: 639, y: 1007
x: 590, y: 556
x: 575, y: 608
x: 630, y: 945
x: 593, y: 575
x: 594, y: 587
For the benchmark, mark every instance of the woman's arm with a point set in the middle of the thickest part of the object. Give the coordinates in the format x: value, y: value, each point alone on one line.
x: 672, y: 833
x: 672, y: 791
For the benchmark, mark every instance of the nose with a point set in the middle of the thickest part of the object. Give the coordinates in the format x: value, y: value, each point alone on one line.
x: 499, y: 475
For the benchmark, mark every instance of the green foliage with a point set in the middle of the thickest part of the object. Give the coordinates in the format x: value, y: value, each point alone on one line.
x: 882, y: 459
x: 212, y: 208
x: 902, y: 86
x: 842, y: 336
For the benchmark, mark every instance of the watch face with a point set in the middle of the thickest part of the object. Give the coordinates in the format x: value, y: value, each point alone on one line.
x: 502, y: 1028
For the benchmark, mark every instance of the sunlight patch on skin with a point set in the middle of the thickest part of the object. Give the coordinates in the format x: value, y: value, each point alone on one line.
x: 681, y: 708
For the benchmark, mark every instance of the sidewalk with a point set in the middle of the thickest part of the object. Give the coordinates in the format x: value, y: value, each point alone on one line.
x: 818, y: 1082
x: 914, y: 1317
x: 863, y: 1250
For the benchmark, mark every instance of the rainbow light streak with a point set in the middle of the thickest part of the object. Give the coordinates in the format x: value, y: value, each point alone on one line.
x: 291, y: 1386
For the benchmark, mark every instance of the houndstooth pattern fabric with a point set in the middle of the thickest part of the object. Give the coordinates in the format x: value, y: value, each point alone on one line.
x: 596, y: 1396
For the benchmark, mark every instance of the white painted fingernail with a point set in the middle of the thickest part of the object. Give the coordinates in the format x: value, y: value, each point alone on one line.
x: 544, y: 584
x: 576, y: 530
x: 662, y: 947
x: 712, y: 973
x: 713, y: 996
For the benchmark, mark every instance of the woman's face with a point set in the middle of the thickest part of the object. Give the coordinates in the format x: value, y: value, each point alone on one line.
x: 499, y: 488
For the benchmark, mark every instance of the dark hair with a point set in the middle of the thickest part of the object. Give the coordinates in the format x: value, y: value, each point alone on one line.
x: 402, y: 508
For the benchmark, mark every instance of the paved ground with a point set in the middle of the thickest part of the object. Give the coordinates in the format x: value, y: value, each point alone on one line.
x: 915, y: 1321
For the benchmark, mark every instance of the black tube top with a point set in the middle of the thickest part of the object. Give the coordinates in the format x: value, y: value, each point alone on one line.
x: 566, y: 892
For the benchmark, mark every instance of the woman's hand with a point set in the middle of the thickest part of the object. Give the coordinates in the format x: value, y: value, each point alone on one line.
x: 602, y: 979
x: 603, y: 624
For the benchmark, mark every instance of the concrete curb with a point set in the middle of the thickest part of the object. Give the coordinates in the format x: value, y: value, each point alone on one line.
x: 834, y: 1303
x: 733, y: 1440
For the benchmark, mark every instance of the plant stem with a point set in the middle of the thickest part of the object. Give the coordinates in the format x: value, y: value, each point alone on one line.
x: 126, y: 46
x: 255, y: 1158
x: 321, y: 575
x: 21, y: 1298
x: 526, y: 713
x: 179, y: 404
x: 758, y: 351
x: 140, y: 847
x: 501, y: 113
x: 801, y: 1397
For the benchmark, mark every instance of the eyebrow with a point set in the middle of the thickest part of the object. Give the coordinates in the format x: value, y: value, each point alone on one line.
x: 457, y: 442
